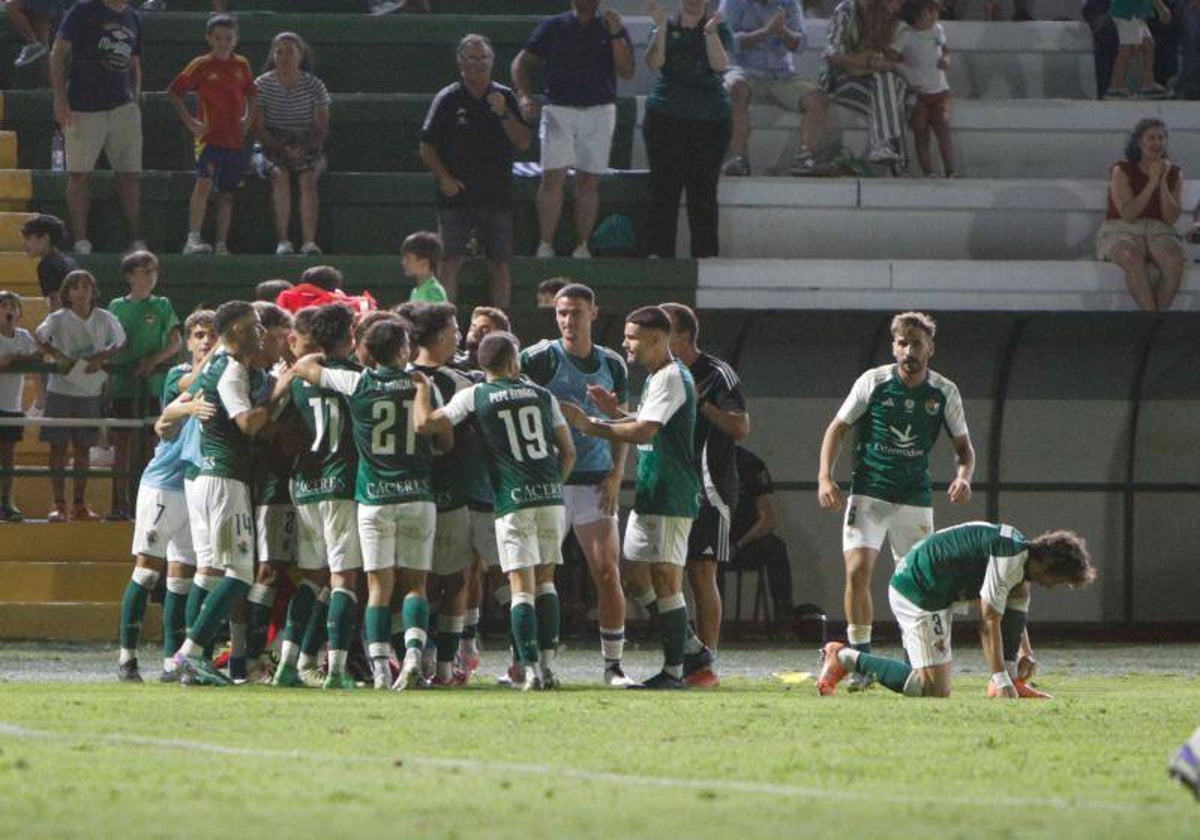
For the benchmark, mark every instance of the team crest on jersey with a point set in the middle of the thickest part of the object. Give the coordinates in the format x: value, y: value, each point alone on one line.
x: 151, y: 537
x: 931, y: 407
x: 909, y: 405
x: 150, y: 318
x: 940, y: 645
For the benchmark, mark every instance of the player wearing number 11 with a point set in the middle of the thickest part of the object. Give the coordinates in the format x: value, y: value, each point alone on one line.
x: 529, y: 454
x: 394, y: 491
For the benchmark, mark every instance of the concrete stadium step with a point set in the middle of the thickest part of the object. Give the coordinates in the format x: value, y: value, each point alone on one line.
x: 10, y: 230
x: 945, y: 285
x: 71, y: 542
x: 8, y: 149
x: 369, y: 132
x: 911, y: 219
x: 58, y: 581
x: 71, y: 622
x: 1016, y: 139
x: 35, y: 498
x: 358, y: 53
x: 18, y: 273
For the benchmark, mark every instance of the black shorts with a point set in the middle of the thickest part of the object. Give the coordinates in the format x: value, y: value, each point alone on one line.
x: 124, y: 408
x: 11, y: 434
x: 709, y: 537
x: 493, y: 230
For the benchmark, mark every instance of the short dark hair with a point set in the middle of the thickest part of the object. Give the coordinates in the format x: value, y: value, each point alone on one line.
x: 323, y: 277
x: 220, y: 20
x: 367, y: 320
x: 269, y: 290
x: 271, y: 315
x: 914, y: 321
x: 44, y: 224
x: 228, y: 313
x: 650, y: 317
x: 385, y: 340
x: 425, y: 245
x: 1133, y: 151
x: 78, y: 277
x: 134, y: 260
x: 199, y: 318
x: 427, y: 319
x: 553, y: 285
x: 494, y: 314
x: 1065, y: 556
x: 577, y: 291
x: 302, y: 321
x: 498, y: 351
x: 329, y: 325
x: 683, y: 319
x: 912, y: 9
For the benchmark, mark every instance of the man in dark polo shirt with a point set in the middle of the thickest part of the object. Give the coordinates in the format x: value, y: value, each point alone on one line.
x: 581, y: 54
x: 467, y: 141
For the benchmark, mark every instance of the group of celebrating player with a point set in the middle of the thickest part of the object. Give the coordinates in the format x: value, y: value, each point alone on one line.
x: 381, y: 463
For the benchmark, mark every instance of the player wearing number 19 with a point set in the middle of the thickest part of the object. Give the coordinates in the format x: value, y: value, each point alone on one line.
x: 394, y: 491
x: 527, y: 469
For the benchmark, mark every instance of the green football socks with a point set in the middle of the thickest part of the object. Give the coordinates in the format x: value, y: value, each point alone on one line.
x: 524, y: 622
x: 890, y: 673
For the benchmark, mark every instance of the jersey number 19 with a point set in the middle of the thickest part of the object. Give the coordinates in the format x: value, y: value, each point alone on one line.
x: 526, y: 435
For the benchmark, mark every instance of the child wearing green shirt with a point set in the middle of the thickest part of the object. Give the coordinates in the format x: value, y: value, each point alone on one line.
x: 418, y: 255
x: 139, y: 369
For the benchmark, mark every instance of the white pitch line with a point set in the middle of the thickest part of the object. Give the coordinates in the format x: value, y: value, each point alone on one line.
x: 907, y: 797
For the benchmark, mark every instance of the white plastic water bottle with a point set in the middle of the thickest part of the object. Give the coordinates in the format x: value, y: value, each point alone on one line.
x: 58, y: 152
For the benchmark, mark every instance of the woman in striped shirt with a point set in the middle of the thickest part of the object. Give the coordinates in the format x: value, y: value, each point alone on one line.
x: 291, y: 122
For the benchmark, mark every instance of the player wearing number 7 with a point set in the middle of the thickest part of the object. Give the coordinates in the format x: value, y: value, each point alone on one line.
x: 973, y: 561
x: 529, y: 454
x: 394, y: 491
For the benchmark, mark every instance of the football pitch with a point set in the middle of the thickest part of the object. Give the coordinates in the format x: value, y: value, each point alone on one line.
x: 81, y: 755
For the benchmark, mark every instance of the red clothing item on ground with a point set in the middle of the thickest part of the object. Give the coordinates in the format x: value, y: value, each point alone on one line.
x: 306, y: 294
x: 222, y: 88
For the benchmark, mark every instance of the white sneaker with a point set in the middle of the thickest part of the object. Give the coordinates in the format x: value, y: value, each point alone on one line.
x: 83, y: 247
x: 310, y: 249
x: 284, y: 249
x: 581, y: 252
x: 614, y: 677
x: 410, y: 677
x: 195, y: 248
x: 544, y: 251
x: 222, y: 250
x: 533, y: 680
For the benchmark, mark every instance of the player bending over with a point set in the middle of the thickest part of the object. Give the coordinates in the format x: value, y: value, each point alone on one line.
x: 527, y: 469
x: 975, y: 560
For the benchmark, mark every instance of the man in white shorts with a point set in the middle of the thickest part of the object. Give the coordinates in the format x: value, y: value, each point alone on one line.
x: 898, y: 411
x: 394, y: 490
x: 529, y: 453
x: 570, y: 367
x: 668, y: 485
x: 766, y: 34
x: 580, y: 54
x: 96, y: 74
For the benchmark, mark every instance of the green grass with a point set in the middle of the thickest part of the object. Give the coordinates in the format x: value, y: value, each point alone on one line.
x: 752, y: 759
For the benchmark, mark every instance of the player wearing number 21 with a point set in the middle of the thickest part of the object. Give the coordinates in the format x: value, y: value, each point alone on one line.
x: 529, y: 454
x: 394, y: 491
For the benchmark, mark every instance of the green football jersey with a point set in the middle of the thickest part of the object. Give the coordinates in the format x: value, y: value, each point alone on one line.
x: 228, y: 384
x: 962, y: 563
x: 451, y: 470
x: 394, y: 462
x: 516, y: 419
x: 896, y: 428
x: 668, y: 481
x: 327, y: 467
x: 148, y: 324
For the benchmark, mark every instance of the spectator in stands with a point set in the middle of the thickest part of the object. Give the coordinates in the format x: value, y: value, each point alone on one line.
x: 1144, y: 195
x: 161, y: 5
x: 33, y: 21
x: 582, y: 54
x: 44, y: 235
x: 153, y: 340
x: 17, y: 348
x: 96, y: 73
x: 857, y: 74
x: 470, y: 134
x: 1134, y: 38
x: 548, y: 290
x: 224, y: 87
x: 290, y: 122
x: 920, y: 47
x: 766, y: 33
x: 269, y: 290
x: 687, y: 125
x: 82, y: 338
x: 755, y: 543
x: 418, y: 255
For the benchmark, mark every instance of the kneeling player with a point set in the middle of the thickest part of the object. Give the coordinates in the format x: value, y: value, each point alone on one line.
x: 969, y: 561
x: 394, y: 491
x: 527, y: 470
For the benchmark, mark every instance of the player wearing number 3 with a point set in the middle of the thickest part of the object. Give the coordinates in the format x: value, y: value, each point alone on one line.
x: 529, y: 455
